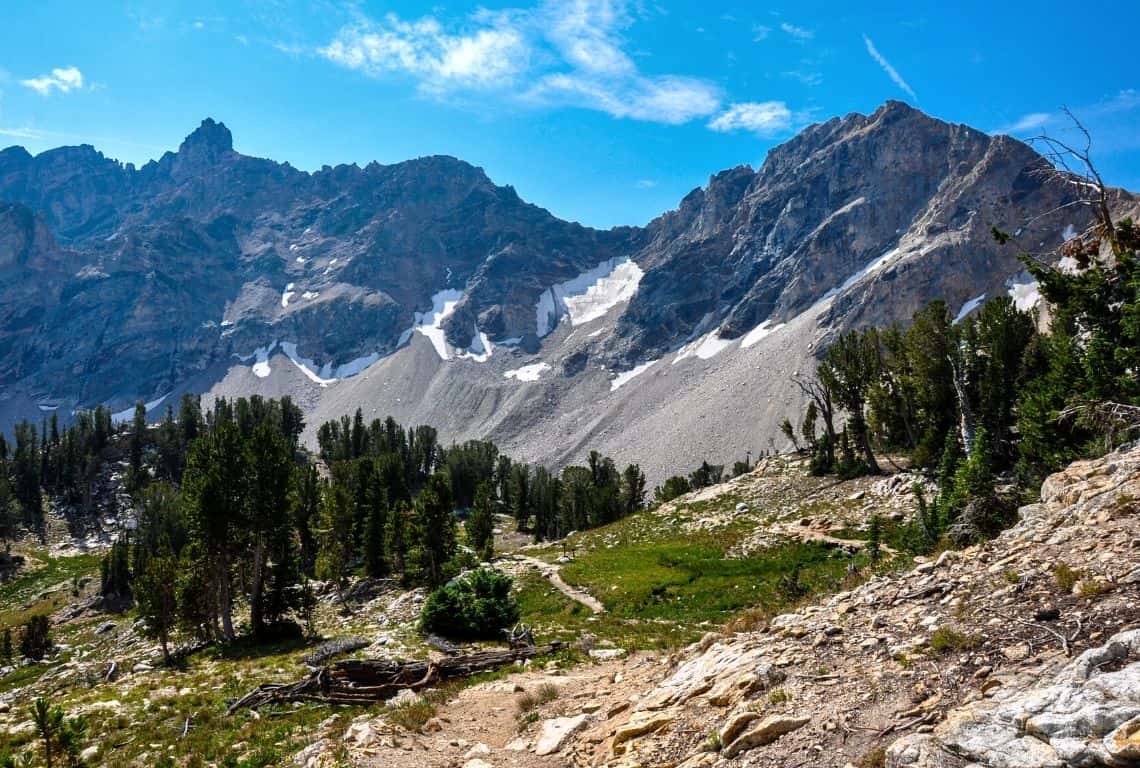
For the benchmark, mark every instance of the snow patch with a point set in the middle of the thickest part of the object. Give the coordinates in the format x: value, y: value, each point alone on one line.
x: 308, y: 367
x: 128, y: 414
x: 588, y: 296
x: 286, y: 295
x: 514, y: 341
x: 1025, y: 295
x: 430, y: 323
x: 261, y: 367
x: 706, y: 347
x: 969, y: 307
x: 871, y: 268
x: 527, y: 372
x: 480, y: 349
x: 310, y: 295
x: 764, y: 329
x: 1069, y: 233
x: 625, y: 377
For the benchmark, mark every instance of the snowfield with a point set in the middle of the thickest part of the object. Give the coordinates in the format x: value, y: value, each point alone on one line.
x: 625, y: 377
x: 588, y: 296
x: 969, y: 307
x: 527, y: 372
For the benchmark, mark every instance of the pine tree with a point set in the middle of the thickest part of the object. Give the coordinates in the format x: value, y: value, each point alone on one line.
x: 138, y: 436
x: 434, y: 529
x: 376, y: 530
x: 480, y: 523
x: 269, y: 492
x: 156, y: 594
x: 334, y: 535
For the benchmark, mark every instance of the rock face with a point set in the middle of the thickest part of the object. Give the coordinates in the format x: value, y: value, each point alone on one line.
x: 195, y: 271
x: 1086, y: 715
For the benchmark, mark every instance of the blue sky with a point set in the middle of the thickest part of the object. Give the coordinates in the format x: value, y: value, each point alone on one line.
x: 605, y: 112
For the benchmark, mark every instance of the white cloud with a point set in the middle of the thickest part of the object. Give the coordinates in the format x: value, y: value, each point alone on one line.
x: 797, y: 33
x: 762, y: 118
x: 646, y: 184
x: 488, y: 56
x: 17, y: 132
x: 892, y: 73
x: 760, y: 33
x: 558, y: 54
x: 1034, y: 121
x: 62, y: 79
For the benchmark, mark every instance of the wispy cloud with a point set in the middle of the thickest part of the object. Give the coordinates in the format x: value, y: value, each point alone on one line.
x: 558, y: 54
x: 1111, y: 122
x: 886, y: 66
x: 62, y: 79
x: 765, y: 118
x: 645, y: 184
x: 760, y: 33
x: 1034, y: 121
x: 800, y: 34
x: 805, y: 76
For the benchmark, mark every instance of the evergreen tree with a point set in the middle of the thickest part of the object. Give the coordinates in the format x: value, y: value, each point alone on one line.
x: 434, y: 529
x: 156, y: 593
x: 137, y: 476
x: 334, y: 535
x: 480, y: 523
x: 632, y: 489
x: 269, y: 493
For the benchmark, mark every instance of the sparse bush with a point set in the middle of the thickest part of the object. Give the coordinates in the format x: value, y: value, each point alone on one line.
x: 876, y: 757
x: 1065, y: 577
x: 474, y: 606
x: 947, y: 640
x: 531, y: 700
x: 778, y: 696
x: 412, y: 715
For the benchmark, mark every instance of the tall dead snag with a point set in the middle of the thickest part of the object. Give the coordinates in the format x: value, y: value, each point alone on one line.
x: 367, y: 681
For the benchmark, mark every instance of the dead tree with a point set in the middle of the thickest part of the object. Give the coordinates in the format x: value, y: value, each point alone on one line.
x: 367, y: 681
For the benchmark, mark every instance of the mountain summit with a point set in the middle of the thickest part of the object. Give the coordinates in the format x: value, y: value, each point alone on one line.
x: 426, y: 291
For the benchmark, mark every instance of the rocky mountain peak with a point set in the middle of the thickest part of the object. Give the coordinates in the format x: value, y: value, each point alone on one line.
x: 209, y: 141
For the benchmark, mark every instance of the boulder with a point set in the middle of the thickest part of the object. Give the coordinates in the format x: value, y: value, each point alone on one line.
x: 555, y: 732
x: 769, y: 729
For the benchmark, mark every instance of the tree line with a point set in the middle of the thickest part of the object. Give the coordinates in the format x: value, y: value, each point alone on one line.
x: 990, y: 397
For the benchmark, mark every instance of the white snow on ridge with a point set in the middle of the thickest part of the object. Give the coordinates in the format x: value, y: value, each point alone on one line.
x: 764, y: 329
x: 871, y: 268
x: 706, y: 347
x: 430, y: 323
x: 480, y: 349
x: 261, y: 367
x: 127, y: 414
x: 625, y: 377
x: 1069, y: 233
x: 1025, y: 295
x: 527, y: 372
x: 969, y: 307
x: 286, y: 295
x: 307, y: 367
x: 588, y: 296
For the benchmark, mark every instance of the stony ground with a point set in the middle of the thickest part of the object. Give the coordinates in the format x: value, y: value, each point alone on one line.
x: 945, y: 660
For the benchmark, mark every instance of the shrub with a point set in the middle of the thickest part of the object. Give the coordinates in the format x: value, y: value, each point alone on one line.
x: 473, y: 606
x: 36, y: 640
x: 947, y: 640
x: 1065, y: 577
x: 531, y: 700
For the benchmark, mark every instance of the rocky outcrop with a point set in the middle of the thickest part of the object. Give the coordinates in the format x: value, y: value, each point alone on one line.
x: 979, y: 657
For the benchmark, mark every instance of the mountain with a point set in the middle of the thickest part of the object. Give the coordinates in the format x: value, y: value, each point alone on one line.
x: 424, y: 290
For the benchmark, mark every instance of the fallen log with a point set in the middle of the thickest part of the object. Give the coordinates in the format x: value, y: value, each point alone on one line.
x: 367, y: 681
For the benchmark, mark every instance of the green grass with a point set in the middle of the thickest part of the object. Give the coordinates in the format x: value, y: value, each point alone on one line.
x: 20, y: 596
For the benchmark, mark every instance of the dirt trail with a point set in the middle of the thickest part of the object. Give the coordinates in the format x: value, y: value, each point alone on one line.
x: 551, y: 573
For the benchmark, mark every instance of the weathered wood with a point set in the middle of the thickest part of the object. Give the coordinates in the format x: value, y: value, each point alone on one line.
x: 367, y: 681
